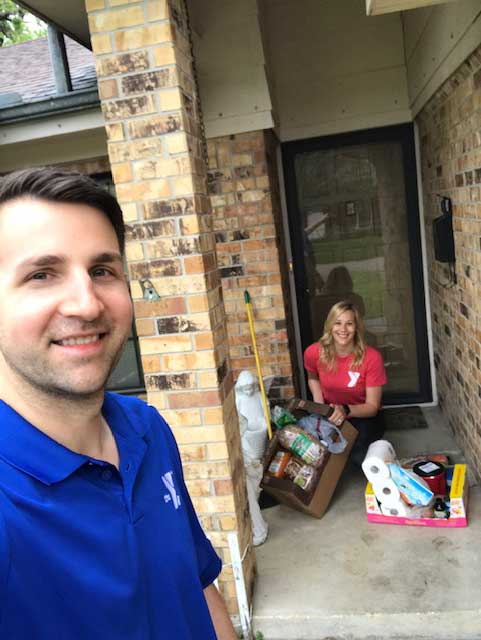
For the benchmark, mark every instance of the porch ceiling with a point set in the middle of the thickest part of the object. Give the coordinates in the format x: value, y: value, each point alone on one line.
x: 69, y: 17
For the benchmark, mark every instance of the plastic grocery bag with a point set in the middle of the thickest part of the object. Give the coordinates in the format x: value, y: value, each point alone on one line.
x: 318, y: 426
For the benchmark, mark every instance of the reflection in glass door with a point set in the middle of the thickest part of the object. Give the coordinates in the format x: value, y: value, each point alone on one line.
x: 355, y: 231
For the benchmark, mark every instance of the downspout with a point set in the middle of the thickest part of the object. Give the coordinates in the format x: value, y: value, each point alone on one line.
x: 58, y: 57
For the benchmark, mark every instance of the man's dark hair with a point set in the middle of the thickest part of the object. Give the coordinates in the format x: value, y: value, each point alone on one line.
x: 58, y: 185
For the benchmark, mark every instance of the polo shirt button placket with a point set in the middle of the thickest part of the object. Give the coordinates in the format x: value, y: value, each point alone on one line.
x: 128, y: 468
x: 106, y: 474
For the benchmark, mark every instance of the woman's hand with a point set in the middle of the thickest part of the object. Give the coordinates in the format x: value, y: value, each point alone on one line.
x: 338, y: 415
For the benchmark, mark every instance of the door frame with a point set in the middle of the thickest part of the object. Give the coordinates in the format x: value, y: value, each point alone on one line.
x: 404, y: 134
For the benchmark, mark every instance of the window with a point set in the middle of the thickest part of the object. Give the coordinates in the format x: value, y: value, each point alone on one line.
x: 127, y: 377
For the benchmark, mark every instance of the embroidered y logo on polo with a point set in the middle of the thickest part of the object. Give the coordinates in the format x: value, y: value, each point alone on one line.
x: 353, y: 378
x: 168, y: 480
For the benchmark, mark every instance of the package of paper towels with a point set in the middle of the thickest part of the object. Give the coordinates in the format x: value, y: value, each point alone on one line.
x: 379, y: 455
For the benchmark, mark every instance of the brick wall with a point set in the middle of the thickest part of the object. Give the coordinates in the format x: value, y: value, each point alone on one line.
x: 450, y: 135
x: 153, y: 124
x: 244, y: 194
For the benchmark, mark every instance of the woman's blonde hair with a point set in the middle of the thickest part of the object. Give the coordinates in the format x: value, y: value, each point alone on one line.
x: 327, y: 347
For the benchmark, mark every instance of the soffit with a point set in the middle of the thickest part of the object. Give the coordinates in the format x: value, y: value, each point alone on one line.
x: 69, y: 17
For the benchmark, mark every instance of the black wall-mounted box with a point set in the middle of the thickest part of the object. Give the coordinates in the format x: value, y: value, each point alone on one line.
x: 444, y: 238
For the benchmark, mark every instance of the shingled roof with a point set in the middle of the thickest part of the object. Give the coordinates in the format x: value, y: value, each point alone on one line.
x: 26, y: 70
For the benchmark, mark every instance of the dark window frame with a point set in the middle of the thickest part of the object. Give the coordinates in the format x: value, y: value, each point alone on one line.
x: 105, y: 180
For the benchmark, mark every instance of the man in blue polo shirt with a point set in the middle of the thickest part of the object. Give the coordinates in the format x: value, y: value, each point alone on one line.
x: 98, y: 537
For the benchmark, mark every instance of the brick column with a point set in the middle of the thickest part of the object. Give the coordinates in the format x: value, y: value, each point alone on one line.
x: 148, y: 95
x: 244, y: 194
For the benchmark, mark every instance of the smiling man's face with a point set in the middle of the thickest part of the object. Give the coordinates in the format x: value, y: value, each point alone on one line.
x: 65, y: 309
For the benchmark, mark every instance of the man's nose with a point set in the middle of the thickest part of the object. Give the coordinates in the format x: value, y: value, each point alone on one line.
x: 81, y: 299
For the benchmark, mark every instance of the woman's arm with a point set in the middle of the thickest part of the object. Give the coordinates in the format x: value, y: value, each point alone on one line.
x: 368, y: 409
x: 315, y: 387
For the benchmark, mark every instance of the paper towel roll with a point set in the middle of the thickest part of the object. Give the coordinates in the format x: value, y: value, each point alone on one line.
x: 386, y: 491
x: 399, y: 509
x: 403, y: 510
x: 378, y: 456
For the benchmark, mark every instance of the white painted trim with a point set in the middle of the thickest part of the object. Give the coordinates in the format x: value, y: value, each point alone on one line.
x: 345, y: 125
x: 27, y: 131
x: 413, y: 404
x: 238, y: 124
x: 242, y: 602
x: 292, y: 284
x: 380, y: 7
x: 427, y: 297
x: 458, y: 54
x: 54, y: 150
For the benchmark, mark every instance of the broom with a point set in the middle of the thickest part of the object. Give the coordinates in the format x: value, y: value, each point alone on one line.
x: 247, y: 300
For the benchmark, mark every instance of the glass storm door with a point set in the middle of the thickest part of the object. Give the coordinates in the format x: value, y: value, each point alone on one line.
x: 354, y: 225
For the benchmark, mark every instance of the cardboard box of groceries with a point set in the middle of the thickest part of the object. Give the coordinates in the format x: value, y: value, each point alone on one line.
x: 458, y: 505
x: 315, y: 500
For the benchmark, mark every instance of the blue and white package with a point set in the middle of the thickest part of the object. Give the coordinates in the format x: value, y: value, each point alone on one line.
x: 414, y: 488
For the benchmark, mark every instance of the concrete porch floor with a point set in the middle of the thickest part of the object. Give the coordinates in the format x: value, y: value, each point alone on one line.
x: 342, y: 578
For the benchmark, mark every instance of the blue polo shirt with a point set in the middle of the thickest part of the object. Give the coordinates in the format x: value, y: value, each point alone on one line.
x: 87, y: 551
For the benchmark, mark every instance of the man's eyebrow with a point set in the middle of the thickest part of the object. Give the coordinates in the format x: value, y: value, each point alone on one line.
x: 107, y: 257
x: 41, y: 261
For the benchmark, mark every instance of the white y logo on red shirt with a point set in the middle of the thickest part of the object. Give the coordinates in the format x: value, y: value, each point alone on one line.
x: 353, y: 378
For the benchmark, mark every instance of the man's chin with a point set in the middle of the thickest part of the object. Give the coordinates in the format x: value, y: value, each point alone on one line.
x: 75, y: 388
x: 81, y: 382
x: 74, y: 392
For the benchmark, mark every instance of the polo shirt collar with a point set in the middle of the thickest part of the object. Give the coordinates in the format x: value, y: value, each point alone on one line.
x: 27, y: 448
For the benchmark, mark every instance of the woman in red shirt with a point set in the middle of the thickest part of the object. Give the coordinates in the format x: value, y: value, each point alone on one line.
x: 347, y: 374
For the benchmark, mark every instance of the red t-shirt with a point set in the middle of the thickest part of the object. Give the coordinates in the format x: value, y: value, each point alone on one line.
x: 346, y: 385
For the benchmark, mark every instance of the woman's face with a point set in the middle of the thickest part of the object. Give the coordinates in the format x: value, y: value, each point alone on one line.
x: 344, y: 330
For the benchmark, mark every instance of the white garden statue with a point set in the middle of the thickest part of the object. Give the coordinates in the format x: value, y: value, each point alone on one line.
x: 253, y: 431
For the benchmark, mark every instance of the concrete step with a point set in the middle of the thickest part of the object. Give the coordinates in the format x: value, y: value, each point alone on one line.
x: 343, y: 578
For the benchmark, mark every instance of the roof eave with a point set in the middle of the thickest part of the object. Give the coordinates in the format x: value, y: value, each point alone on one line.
x: 74, y: 101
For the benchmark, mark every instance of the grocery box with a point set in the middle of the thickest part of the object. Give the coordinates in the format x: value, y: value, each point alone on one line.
x: 315, y: 501
x: 458, y: 497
